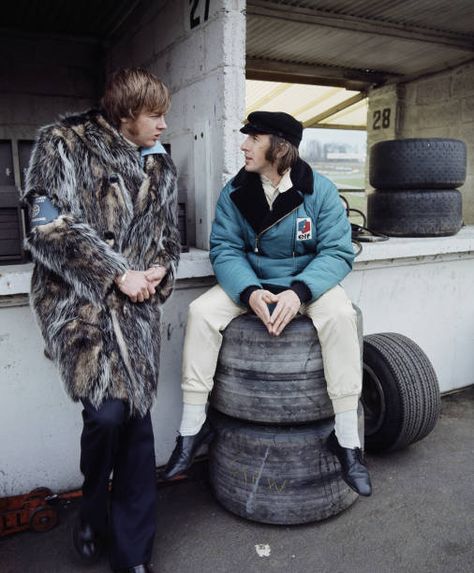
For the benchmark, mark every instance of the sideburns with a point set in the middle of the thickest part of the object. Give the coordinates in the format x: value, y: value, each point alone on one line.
x: 277, y: 146
x: 272, y: 152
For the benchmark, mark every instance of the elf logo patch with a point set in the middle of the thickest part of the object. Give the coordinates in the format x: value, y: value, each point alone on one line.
x: 304, y: 229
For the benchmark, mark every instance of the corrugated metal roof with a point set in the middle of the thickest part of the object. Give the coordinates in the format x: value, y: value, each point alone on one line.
x: 449, y: 15
x: 307, y: 44
x: 404, y: 39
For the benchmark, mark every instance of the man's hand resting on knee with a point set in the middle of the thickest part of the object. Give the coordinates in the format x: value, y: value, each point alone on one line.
x: 288, y: 305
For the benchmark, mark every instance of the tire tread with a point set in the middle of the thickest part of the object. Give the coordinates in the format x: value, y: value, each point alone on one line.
x: 417, y: 385
x: 418, y: 163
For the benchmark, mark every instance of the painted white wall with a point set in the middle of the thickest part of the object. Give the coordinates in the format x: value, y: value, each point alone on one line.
x: 421, y: 288
x: 204, y: 67
x: 40, y: 426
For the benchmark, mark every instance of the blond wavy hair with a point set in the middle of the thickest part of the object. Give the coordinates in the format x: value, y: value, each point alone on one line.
x: 130, y: 91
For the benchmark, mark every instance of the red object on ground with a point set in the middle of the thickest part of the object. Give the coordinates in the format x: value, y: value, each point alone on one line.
x: 38, y: 510
x: 29, y: 511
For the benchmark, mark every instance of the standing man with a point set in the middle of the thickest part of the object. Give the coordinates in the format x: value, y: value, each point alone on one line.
x: 102, y: 195
x: 280, y: 236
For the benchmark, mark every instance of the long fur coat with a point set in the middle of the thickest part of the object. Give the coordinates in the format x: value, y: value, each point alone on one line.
x: 114, y: 215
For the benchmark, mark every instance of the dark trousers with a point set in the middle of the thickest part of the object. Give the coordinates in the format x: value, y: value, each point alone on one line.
x: 113, y: 441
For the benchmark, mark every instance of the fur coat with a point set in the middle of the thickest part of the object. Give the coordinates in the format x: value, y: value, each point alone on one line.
x: 114, y: 215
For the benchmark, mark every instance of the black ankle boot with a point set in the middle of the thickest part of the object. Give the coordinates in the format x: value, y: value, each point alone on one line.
x: 87, y: 542
x: 185, y: 450
x: 354, y: 470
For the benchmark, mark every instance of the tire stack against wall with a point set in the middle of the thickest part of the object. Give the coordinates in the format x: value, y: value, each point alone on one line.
x: 415, y: 183
x: 272, y: 415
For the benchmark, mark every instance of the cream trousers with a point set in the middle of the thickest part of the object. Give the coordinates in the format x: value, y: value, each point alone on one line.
x: 333, y: 317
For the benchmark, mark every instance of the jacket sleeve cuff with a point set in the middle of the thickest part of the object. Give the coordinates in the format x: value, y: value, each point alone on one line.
x: 302, y: 290
x: 245, y: 294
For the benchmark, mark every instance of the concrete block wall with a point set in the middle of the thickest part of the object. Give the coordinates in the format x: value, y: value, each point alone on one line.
x: 198, y: 50
x: 441, y: 105
x: 42, y: 77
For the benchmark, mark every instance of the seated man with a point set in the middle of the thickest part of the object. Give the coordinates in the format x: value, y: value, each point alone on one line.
x: 281, y: 237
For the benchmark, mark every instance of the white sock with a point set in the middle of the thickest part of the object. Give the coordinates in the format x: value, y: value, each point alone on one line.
x: 192, y: 419
x: 346, y: 428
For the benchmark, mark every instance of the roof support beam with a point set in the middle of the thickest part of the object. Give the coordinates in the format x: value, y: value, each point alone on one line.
x: 260, y: 69
x: 339, y: 126
x: 335, y: 109
x: 355, y: 24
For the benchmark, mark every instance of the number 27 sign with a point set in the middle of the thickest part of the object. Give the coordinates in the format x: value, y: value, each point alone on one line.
x: 198, y: 12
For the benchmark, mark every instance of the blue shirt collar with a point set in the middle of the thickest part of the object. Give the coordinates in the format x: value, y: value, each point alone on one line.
x: 157, y: 148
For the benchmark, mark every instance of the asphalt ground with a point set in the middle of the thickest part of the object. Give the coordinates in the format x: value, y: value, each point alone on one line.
x: 420, y: 519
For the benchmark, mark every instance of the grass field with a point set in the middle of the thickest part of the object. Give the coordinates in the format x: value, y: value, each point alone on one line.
x: 347, y: 175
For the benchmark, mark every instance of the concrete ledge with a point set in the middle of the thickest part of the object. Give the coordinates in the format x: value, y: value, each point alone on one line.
x: 408, y: 248
x: 195, y: 264
x: 15, y: 279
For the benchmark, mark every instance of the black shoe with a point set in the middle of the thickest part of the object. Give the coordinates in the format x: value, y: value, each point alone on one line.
x: 144, y: 568
x: 354, y: 470
x: 87, y: 543
x: 185, y: 450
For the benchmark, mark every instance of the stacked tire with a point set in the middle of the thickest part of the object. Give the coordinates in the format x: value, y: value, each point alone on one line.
x: 415, y: 183
x: 269, y: 461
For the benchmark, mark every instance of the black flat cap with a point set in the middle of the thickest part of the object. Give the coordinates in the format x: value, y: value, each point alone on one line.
x: 275, y: 122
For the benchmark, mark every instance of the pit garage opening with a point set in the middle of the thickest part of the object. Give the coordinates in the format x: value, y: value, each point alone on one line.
x: 335, y: 136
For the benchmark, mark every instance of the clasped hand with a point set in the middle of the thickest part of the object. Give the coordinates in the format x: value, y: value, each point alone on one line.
x: 287, y: 307
x: 141, y: 285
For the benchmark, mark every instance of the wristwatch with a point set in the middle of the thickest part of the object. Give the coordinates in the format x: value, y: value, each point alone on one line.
x: 122, y: 278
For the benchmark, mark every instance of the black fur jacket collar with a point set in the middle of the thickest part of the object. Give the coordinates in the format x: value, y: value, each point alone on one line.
x: 249, y: 196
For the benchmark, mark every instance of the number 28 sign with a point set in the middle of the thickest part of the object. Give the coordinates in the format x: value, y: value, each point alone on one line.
x: 381, y: 118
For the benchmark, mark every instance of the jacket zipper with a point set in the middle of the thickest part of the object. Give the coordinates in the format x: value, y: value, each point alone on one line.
x: 294, y: 245
x: 255, y: 250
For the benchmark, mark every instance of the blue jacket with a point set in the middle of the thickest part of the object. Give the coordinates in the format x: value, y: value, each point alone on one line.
x: 305, y: 238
